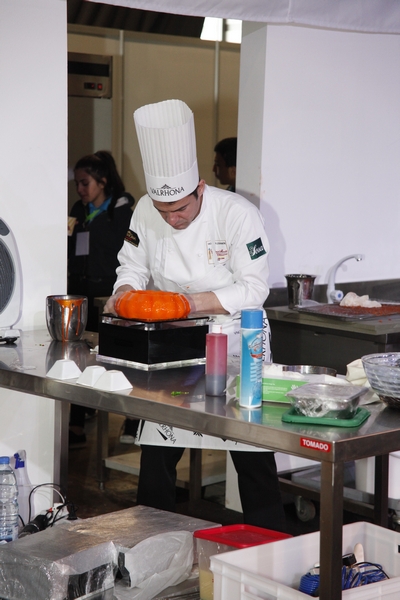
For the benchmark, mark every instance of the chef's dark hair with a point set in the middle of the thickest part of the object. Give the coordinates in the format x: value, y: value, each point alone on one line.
x: 227, y: 148
x: 101, y: 166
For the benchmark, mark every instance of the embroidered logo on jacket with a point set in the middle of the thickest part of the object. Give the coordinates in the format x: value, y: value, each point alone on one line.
x: 221, y: 251
x: 256, y: 249
x: 132, y: 238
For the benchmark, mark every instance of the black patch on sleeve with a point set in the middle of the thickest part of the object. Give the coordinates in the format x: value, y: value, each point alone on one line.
x: 132, y: 238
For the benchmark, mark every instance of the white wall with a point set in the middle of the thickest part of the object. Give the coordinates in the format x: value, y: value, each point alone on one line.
x: 33, y: 172
x: 150, y: 68
x: 33, y: 195
x: 329, y: 176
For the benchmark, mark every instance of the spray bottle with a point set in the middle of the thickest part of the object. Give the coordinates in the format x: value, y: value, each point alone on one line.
x: 251, y: 358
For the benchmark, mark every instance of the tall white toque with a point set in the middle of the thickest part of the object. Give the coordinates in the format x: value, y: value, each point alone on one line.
x: 167, y: 142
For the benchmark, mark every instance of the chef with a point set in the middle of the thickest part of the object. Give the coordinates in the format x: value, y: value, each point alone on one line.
x: 209, y: 244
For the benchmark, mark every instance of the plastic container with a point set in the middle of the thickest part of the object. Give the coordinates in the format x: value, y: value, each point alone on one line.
x: 8, y: 501
x: 275, y: 570
x: 25, y: 501
x: 365, y: 475
x: 216, y: 362
x: 224, y: 539
x: 251, y: 358
x: 327, y: 400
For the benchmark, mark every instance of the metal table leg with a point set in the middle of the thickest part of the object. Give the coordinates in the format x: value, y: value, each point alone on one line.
x: 61, y: 421
x: 102, y: 447
x: 381, y: 510
x: 195, y: 474
x: 331, y: 530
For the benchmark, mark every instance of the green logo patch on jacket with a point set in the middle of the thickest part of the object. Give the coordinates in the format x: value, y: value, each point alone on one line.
x: 256, y: 249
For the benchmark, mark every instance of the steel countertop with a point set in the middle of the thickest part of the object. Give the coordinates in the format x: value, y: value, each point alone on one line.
x: 23, y: 367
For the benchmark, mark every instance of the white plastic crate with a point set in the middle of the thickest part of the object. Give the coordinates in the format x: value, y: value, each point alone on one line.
x: 365, y: 475
x: 273, y: 571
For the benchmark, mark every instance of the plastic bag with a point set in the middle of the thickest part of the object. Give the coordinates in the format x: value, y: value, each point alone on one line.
x: 159, y: 562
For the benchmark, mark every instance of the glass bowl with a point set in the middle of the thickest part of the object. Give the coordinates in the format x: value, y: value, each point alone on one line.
x: 383, y: 373
x: 326, y: 400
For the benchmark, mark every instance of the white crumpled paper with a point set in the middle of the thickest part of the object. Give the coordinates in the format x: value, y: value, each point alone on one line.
x: 356, y: 376
x: 156, y: 563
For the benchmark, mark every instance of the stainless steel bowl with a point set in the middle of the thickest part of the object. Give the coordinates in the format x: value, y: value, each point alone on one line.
x: 310, y: 370
x: 66, y: 317
x: 326, y: 400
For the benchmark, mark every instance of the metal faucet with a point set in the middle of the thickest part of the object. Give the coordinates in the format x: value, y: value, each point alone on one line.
x: 333, y: 295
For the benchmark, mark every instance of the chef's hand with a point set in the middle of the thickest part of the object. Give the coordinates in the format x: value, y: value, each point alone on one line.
x: 206, y: 303
x: 110, y: 304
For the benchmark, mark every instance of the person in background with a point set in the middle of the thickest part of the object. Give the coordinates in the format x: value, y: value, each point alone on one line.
x: 225, y: 162
x: 210, y: 245
x: 98, y: 224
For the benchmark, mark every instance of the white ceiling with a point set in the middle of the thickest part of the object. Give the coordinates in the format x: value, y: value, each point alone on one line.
x: 377, y: 16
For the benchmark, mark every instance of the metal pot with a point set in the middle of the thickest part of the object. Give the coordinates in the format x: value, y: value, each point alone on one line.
x: 300, y: 287
x: 66, y: 317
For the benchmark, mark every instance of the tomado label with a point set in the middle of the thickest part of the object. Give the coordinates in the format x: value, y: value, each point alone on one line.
x: 315, y: 445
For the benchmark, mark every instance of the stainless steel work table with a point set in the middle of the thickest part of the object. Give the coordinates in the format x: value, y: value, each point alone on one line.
x: 309, y: 339
x: 23, y: 367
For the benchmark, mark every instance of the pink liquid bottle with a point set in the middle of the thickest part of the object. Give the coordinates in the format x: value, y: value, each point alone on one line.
x: 216, y: 361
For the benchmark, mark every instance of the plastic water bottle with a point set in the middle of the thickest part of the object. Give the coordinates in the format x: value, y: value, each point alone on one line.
x: 8, y: 501
x: 24, y: 487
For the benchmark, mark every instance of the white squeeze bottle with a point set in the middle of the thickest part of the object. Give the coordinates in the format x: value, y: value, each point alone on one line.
x: 251, y: 358
x: 8, y: 501
x: 24, y: 487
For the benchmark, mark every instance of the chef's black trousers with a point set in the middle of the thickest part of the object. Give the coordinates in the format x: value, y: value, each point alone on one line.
x: 257, y: 478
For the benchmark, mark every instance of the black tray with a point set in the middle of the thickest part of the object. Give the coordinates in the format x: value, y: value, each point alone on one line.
x: 344, y: 313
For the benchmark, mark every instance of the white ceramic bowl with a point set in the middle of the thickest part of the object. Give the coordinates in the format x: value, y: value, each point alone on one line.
x: 64, y: 369
x: 90, y: 375
x: 112, y: 381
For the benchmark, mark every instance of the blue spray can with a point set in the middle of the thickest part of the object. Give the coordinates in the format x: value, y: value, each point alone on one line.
x: 251, y: 358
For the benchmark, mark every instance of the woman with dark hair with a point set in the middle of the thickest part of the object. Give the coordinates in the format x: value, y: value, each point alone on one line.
x: 100, y: 220
x: 102, y: 217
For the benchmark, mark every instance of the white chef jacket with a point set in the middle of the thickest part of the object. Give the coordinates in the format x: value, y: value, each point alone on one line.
x: 224, y: 250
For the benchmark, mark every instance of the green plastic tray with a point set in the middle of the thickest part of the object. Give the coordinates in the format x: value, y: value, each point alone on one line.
x: 361, y: 415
